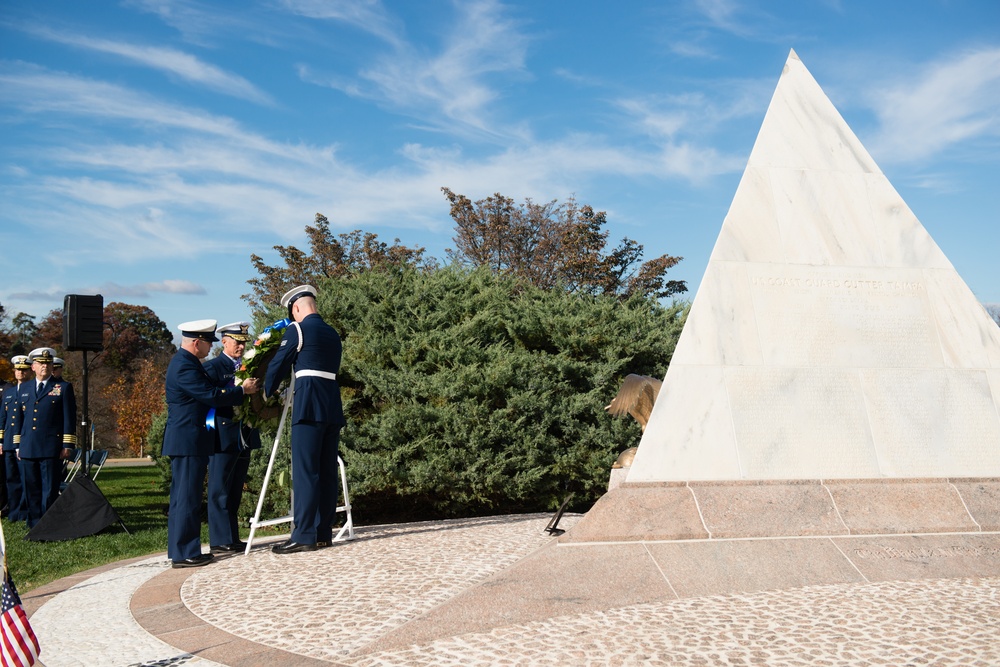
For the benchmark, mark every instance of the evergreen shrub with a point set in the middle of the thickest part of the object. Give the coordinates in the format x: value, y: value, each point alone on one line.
x: 468, y: 393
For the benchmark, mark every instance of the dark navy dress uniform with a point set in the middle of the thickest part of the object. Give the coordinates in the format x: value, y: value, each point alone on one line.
x: 48, y: 427
x: 227, y: 467
x: 188, y: 442
x: 11, y: 414
x: 3, y: 477
x: 317, y: 417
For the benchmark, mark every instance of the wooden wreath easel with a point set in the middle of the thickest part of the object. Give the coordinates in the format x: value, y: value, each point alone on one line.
x: 256, y: 523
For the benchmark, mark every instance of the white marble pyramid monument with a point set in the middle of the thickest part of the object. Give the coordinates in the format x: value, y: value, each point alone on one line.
x: 830, y: 338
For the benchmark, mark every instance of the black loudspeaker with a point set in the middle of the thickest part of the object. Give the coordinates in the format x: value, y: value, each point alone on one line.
x: 83, y: 322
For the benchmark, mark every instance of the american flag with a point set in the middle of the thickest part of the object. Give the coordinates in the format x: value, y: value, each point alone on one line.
x: 17, y: 641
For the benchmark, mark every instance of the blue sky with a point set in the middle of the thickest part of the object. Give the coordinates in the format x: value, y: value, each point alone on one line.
x: 148, y: 147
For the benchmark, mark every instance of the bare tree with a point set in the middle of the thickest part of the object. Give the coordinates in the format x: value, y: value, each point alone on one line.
x: 993, y: 309
x: 554, y: 245
x: 328, y: 257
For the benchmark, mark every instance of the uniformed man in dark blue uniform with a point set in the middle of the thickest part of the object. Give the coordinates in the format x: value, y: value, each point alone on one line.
x: 234, y: 440
x: 313, y: 348
x: 187, y: 440
x: 3, y: 477
x: 11, y: 413
x: 57, y: 374
x: 47, y: 435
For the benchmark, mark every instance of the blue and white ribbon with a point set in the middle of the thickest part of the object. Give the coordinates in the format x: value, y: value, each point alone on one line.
x: 280, y: 324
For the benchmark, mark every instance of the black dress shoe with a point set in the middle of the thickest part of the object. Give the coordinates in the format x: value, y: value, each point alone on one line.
x: 196, y: 561
x: 233, y: 548
x: 290, y: 547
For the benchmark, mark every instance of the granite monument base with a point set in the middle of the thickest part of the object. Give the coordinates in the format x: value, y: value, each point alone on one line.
x: 650, y: 543
x: 742, y: 536
x: 669, y: 511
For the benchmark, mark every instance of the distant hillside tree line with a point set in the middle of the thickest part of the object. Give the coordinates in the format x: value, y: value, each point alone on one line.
x: 125, y: 381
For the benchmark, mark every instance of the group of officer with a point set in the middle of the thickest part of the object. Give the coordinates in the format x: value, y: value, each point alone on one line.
x: 202, y: 437
x: 38, y: 432
x: 192, y: 438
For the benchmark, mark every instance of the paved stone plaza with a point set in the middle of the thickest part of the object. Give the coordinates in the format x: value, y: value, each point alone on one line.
x: 439, y: 593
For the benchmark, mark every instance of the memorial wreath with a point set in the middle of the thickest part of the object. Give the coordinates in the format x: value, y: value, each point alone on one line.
x: 258, y: 410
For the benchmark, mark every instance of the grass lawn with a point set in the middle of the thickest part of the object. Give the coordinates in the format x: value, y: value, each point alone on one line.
x: 134, y: 493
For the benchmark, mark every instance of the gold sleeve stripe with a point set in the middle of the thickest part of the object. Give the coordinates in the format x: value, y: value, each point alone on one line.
x: 17, y: 439
x: 69, y: 439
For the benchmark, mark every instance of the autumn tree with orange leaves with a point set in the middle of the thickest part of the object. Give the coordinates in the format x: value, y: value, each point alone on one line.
x: 136, y: 401
x: 137, y: 350
x: 125, y: 379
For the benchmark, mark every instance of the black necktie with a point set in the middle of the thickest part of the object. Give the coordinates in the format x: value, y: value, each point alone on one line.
x: 41, y: 387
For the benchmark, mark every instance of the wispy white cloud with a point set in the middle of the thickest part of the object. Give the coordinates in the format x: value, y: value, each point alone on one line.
x: 940, y: 182
x: 692, y: 28
x: 175, y: 63
x: 367, y: 15
x: 113, y: 290
x: 38, y: 90
x: 37, y: 295
x: 175, y: 287
x: 574, y: 77
x: 450, y: 88
x: 193, y: 19
x: 692, y: 46
x: 721, y: 14
x: 160, y: 211
x: 950, y: 101
x: 196, y: 183
x: 660, y: 124
x: 751, y: 21
x: 698, y: 113
x: 558, y: 168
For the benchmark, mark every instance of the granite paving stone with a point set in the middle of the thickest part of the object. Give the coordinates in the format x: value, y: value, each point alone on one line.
x: 944, y: 621
x: 351, y: 605
x: 357, y: 590
x: 90, y: 625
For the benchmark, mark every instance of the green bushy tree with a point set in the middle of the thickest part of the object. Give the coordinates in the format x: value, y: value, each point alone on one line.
x: 471, y: 393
